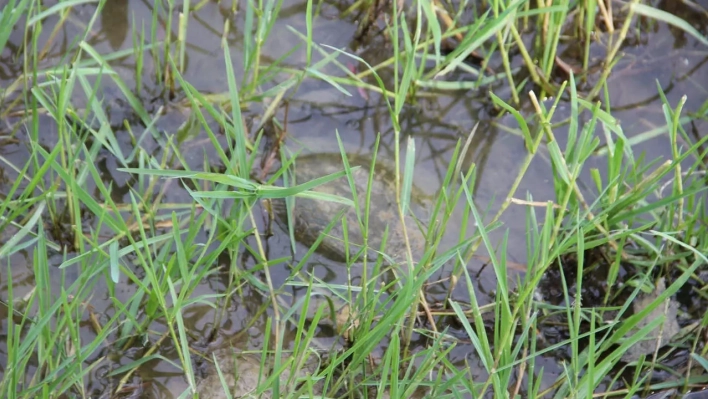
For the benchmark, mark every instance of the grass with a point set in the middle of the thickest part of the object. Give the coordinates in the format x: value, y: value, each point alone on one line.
x: 152, y: 259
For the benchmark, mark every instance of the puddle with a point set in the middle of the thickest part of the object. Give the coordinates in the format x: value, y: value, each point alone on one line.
x: 660, y: 55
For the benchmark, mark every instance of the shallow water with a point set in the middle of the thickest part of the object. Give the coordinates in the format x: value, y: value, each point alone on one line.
x: 661, y: 55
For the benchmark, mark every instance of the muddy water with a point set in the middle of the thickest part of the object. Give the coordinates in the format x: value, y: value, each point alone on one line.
x: 661, y: 55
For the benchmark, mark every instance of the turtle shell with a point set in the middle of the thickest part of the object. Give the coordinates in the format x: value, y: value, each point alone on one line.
x: 310, y: 217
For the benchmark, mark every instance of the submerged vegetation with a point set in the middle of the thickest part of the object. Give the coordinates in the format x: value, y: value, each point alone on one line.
x: 137, y: 250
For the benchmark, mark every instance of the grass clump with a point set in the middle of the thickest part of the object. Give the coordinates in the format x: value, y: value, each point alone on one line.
x: 152, y: 259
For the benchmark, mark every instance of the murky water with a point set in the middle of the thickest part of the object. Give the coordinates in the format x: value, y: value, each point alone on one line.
x: 662, y: 56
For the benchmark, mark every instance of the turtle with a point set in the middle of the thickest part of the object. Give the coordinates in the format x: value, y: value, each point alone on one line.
x: 243, y: 373
x: 310, y: 217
